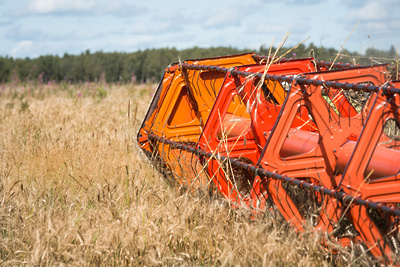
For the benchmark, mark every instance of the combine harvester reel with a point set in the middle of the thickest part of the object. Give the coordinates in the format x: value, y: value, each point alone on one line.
x: 319, y: 140
x: 312, y: 155
x: 230, y: 132
x: 372, y: 174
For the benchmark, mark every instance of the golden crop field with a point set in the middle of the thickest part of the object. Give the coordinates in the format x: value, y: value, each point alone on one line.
x: 75, y: 189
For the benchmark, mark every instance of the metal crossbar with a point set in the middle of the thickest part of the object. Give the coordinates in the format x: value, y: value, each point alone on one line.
x: 342, y: 196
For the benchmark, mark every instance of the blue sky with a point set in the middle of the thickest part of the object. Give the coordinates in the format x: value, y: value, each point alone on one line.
x: 30, y: 28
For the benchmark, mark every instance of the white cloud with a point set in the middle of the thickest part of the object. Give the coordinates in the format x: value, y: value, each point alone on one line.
x: 120, y: 9
x: 90, y: 34
x: 78, y: 8
x: 18, y: 33
x: 297, y: 32
x: 270, y: 28
x: 294, y: 2
x: 173, y: 15
x: 377, y: 19
x: 372, y: 11
x: 59, y: 6
x: 5, y: 21
x: 21, y: 48
x: 156, y: 28
x: 138, y: 41
x: 224, y: 17
x: 34, y: 27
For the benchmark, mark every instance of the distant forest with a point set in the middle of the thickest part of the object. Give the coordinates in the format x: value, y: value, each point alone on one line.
x: 149, y: 65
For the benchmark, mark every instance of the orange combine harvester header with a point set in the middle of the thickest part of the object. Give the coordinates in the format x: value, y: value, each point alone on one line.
x: 313, y: 140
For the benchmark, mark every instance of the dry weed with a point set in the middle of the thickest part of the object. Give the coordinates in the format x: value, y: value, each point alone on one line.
x: 76, y: 190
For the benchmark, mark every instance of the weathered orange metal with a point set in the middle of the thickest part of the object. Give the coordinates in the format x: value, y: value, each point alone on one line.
x: 264, y: 108
x: 373, y: 173
x: 229, y: 130
x: 315, y: 159
x: 178, y: 111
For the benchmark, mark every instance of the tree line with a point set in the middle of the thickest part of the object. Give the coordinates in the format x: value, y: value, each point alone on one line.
x: 148, y: 65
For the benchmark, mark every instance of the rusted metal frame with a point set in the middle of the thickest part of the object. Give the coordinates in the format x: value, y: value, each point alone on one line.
x: 319, y: 63
x: 306, y: 165
x: 386, y: 89
x: 355, y: 181
x: 221, y: 103
x: 338, y: 65
x: 340, y: 195
x: 237, y: 147
x: 248, y: 81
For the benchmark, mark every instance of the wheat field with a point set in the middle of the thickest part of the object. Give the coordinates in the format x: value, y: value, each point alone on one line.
x: 76, y: 190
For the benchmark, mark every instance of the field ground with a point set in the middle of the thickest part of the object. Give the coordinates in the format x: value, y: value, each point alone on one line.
x: 75, y: 189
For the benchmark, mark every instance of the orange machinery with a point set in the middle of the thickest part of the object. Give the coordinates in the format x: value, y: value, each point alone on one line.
x: 321, y: 144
